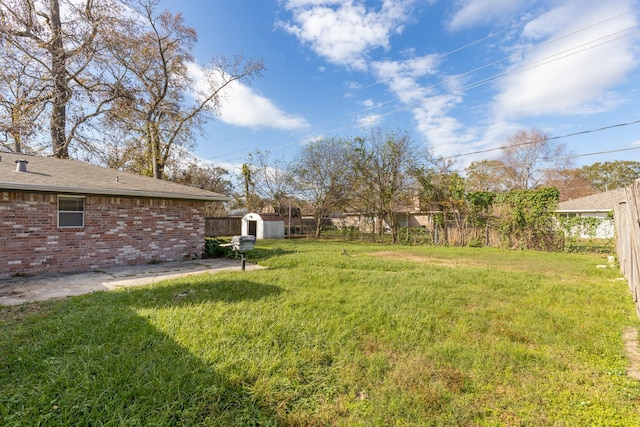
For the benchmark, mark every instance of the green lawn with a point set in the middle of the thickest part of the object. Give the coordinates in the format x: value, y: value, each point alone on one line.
x: 334, y: 334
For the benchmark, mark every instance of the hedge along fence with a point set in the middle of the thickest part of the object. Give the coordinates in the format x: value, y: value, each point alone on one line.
x: 517, y: 219
x: 627, y: 223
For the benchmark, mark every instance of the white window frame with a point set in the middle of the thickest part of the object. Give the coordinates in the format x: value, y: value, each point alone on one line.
x: 61, y: 212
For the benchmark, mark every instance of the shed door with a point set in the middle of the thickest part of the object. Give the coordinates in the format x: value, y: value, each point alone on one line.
x: 253, y: 228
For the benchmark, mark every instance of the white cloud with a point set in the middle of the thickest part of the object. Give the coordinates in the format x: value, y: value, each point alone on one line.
x: 345, y: 31
x: 431, y: 105
x: 242, y: 106
x: 444, y: 133
x: 368, y: 103
x: 572, y: 74
x: 475, y: 12
x: 403, y: 77
x: 370, y: 121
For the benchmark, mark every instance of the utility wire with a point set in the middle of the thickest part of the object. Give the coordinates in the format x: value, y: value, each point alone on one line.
x: 572, y: 156
x: 584, y: 132
x: 544, y: 61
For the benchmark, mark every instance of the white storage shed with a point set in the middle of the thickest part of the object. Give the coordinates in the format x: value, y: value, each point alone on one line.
x: 263, y: 226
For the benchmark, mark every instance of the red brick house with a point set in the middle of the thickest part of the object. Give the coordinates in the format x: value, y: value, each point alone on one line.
x: 62, y: 215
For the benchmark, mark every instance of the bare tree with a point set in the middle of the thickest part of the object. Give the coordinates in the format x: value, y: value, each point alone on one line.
x: 321, y: 176
x: 55, y: 45
x: 569, y: 182
x: 21, y: 103
x: 528, y: 154
x: 159, y: 99
x: 271, y: 178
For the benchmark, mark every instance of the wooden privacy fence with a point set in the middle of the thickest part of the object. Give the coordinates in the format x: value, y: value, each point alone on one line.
x: 222, y: 226
x: 626, y: 217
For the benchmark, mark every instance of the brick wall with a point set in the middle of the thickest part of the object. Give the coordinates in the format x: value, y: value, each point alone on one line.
x: 117, y: 231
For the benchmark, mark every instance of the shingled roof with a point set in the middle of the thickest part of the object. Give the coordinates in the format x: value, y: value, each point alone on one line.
x: 601, y: 202
x: 49, y: 174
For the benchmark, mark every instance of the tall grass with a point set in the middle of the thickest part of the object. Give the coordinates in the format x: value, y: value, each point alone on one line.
x: 334, y: 334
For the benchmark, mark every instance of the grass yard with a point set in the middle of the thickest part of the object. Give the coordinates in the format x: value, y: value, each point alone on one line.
x: 334, y: 334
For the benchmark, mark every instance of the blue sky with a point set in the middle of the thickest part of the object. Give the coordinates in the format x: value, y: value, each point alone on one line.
x: 459, y: 76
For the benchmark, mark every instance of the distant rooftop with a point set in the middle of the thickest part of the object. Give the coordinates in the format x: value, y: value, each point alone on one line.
x: 49, y: 174
x: 601, y: 202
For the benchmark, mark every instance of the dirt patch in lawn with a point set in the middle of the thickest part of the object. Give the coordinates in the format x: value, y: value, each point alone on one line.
x: 630, y: 340
x: 403, y: 256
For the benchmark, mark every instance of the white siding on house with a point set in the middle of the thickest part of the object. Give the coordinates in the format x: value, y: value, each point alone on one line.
x: 605, y: 229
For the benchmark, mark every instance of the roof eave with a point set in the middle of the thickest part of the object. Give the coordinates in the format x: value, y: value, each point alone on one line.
x: 597, y: 210
x: 111, y: 192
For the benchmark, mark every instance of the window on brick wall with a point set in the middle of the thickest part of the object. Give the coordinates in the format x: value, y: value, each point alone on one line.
x: 70, y: 211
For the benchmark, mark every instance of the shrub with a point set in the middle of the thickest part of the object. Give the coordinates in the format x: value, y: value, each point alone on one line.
x: 212, y: 248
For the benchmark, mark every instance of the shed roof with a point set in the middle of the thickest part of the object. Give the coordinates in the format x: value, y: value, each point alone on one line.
x: 264, y: 217
x: 601, y: 202
x: 49, y: 174
x: 271, y: 217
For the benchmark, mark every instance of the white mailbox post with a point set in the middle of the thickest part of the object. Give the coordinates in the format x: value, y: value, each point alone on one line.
x: 241, y: 245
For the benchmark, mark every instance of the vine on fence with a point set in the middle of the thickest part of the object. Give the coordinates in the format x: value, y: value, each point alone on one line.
x: 577, y: 227
x: 528, y: 219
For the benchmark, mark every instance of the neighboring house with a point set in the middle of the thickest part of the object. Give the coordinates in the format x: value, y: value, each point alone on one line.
x: 367, y: 223
x: 594, y: 206
x: 263, y: 226
x: 62, y: 215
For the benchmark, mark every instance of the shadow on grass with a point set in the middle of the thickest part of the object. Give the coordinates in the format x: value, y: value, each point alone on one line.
x: 95, y: 360
x: 198, y: 289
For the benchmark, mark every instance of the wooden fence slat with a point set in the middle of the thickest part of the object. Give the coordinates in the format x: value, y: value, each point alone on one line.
x: 627, y: 223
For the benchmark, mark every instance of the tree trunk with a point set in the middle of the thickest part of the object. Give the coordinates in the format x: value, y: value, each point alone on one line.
x: 15, y: 130
x: 393, y: 224
x: 60, y: 89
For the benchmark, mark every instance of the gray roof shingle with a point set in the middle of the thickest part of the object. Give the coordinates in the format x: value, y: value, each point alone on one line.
x: 601, y: 202
x: 49, y: 174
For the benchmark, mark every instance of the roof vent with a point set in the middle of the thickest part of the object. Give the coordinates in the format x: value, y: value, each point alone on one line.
x: 21, y: 165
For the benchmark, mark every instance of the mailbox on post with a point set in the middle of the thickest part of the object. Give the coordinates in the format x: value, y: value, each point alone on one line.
x: 241, y: 245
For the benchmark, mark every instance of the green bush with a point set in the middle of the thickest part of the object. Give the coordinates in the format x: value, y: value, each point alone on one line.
x: 212, y: 248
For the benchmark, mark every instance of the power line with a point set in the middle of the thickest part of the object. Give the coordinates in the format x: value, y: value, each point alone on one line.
x: 584, y: 132
x: 572, y: 156
x: 544, y: 61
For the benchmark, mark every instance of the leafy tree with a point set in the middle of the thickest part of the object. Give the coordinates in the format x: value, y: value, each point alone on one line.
x: 210, y: 178
x: 611, y: 175
x: 158, y: 99
x: 527, y: 155
x: 486, y: 175
x: 248, y: 185
x: 206, y: 177
x: 321, y: 176
x: 442, y: 192
x: 480, y: 204
x: 381, y: 179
